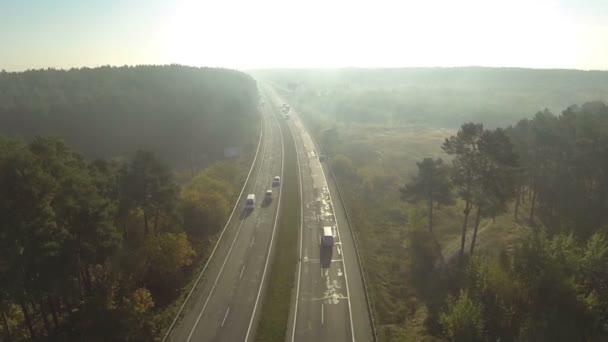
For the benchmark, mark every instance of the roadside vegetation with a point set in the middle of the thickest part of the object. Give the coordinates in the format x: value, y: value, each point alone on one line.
x: 98, y: 249
x: 514, y: 246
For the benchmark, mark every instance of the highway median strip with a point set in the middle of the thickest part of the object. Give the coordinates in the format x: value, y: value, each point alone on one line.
x: 274, y: 313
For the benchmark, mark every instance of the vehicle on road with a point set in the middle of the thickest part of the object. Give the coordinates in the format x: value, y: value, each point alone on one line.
x: 321, y: 157
x: 268, y: 196
x: 285, y: 108
x: 276, y: 181
x: 327, y: 240
x: 250, y: 202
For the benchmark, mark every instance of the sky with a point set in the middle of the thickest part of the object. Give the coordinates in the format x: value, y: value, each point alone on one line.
x: 248, y: 34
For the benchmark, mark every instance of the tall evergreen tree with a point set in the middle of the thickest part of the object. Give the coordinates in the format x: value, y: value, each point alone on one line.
x: 431, y: 184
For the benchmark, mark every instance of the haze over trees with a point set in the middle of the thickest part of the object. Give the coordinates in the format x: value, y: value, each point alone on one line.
x: 186, y: 115
x: 439, y: 97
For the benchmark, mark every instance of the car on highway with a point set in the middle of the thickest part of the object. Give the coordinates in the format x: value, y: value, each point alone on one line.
x: 276, y: 181
x: 250, y: 202
x: 321, y: 157
x: 268, y: 196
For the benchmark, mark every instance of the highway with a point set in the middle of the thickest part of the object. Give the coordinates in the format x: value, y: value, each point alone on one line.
x: 223, y: 305
x: 328, y: 303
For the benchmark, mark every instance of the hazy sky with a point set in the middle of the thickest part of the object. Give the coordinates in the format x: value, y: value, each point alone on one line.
x: 306, y: 33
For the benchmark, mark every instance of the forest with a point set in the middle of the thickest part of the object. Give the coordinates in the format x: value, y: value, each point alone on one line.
x: 102, y: 228
x: 502, y: 237
x: 498, y: 228
x: 186, y: 115
x: 551, y: 285
x: 441, y: 97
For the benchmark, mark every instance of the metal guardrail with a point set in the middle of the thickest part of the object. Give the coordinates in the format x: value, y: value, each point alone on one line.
x: 354, y: 235
x: 217, y: 243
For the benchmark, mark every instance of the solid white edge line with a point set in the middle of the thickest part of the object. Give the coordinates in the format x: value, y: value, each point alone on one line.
x: 295, y: 314
x: 181, y: 308
x: 350, y: 312
x: 322, y: 314
x: 225, y: 316
x: 255, y: 184
x: 257, y: 299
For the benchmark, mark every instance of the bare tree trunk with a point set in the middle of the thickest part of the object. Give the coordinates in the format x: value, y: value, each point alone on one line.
x: 81, y: 281
x: 156, y: 221
x: 532, y: 206
x: 82, y: 285
x: 125, y: 230
x: 478, y: 216
x: 431, y: 211
x: 45, y: 318
x: 9, y: 333
x: 53, y: 309
x: 517, y: 202
x: 39, y: 310
x: 466, y: 212
x: 89, y: 282
x: 68, y: 306
x: 28, y: 318
x: 146, y: 231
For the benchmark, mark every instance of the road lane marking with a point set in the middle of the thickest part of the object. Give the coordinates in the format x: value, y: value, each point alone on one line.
x: 322, y: 320
x: 276, y: 219
x: 181, y: 308
x: 230, y: 249
x: 243, y: 269
x: 225, y: 316
x: 316, y: 261
x: 213, y: 287
x: 350, y: 312
x: 252, y: 240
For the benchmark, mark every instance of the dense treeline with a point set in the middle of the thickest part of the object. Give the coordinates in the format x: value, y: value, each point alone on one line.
x: 96, y: 251
x: 552, y: 286
x: 564, y: 163
x: 443, y: 97
x: 186, y: 115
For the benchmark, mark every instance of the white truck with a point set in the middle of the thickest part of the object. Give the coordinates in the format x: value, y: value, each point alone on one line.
x: 327, y: 240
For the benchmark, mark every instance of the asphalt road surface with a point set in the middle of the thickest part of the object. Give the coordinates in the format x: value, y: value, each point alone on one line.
x: 224, y: 304
x: 328, y: 302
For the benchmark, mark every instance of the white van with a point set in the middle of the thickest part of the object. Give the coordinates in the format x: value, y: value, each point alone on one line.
x: 268, y: 196
x: 328, y: 237
x: 250, y: 203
